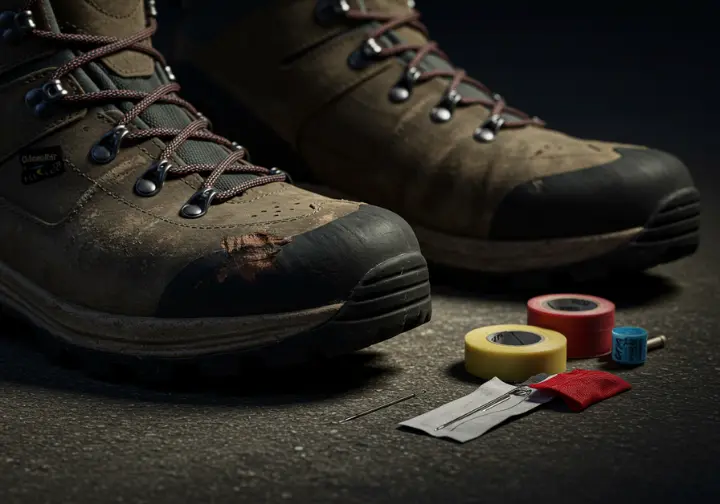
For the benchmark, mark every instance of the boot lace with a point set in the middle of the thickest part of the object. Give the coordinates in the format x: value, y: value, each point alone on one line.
x: 105, y: 150
x: 373, y: 50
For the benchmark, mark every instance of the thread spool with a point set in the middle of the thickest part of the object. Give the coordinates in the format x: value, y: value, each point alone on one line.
x: 630, y: 345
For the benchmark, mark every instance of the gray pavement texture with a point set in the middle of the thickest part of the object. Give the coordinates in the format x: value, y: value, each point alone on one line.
x: 65, y: 438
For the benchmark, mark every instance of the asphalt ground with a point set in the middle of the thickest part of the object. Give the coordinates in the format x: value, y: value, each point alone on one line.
x: 66, y: 438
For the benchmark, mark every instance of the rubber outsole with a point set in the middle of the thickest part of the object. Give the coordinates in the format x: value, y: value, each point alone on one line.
x: 392, y: 298
x: 670, y: 234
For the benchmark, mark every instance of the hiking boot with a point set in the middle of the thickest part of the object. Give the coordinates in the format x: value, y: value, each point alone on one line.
x: 136, y: 236
x: 378, y: 114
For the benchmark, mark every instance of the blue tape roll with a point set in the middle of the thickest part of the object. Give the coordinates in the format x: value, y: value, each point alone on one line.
x: 629, y: 345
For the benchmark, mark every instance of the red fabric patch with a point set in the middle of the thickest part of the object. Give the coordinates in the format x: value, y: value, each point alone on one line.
x: 581, y: 388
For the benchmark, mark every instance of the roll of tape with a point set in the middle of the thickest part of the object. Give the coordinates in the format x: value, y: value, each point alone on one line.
x: 629, y: 345
x: 586, y: 321
x: 514, y: 353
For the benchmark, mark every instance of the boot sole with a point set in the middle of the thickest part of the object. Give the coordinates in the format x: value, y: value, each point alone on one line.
x: 671, y: 233
x: 392, y: 298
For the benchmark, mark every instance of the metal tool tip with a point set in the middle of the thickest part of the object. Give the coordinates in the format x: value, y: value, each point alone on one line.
x: 657, y: 342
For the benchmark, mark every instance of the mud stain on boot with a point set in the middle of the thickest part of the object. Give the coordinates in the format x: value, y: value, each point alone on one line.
x: 249, y: 255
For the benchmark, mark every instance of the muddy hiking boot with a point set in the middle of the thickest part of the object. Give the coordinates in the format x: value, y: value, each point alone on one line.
x: 135, y: 238
x: 377, y: 113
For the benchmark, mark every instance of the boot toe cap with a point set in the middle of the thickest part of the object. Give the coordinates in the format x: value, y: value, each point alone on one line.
x: 612, y: 197
x: 318, y: 268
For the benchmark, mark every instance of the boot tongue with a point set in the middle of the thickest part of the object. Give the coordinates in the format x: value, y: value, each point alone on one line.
x: 110, y: 18
x: 409, y: 35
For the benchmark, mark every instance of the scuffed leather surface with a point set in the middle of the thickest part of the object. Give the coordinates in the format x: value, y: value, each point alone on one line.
x: 356, y: 140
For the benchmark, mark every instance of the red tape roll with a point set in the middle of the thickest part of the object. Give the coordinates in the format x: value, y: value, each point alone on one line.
x: 586, y: 321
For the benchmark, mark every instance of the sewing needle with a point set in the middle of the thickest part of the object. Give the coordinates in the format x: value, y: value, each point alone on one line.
x: 378, y: 408
x: 519, y: 391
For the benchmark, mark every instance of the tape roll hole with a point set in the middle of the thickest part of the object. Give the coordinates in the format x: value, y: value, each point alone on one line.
x: 515, y: 338
x: 572, y: 304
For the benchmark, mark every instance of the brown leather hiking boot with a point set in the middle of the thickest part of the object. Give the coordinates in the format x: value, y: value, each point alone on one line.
x: 133, y: 234
x: 378, y: 114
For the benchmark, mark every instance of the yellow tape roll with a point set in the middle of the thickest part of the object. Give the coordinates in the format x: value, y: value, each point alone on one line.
x: 514, y: 353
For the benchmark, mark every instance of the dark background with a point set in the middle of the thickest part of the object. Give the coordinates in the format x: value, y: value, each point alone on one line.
x: 640, y: 73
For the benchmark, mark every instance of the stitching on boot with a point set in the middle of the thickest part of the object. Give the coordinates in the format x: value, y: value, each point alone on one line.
x: 100, y: 9
x: 82, y: 201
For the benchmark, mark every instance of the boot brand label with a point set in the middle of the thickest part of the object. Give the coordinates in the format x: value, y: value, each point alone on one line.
x: 41, y: 164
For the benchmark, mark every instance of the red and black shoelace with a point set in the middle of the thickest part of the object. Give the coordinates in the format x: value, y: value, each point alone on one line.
x: 414, y: 75
x: 94, y: 47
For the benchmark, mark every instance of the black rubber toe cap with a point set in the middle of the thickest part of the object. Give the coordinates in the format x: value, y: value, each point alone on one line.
x: 315, y: 269
x: 602, y: 199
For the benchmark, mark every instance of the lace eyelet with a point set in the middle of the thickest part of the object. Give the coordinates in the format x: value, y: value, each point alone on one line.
x: 54, y: 91
x: 107, y: 148
x: 236, y: 146
x: 368, y: 53
x: 152, y: 181
x: 199, y: 203
x: 444, y: 111
x: 169, y: 73
x: 39, y: 100
x: 489, y: 130
x: 15, y: 25
x: 277, y: 171
x: 327, y: 12
x: 151, y: 8
x: 403, y: 89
